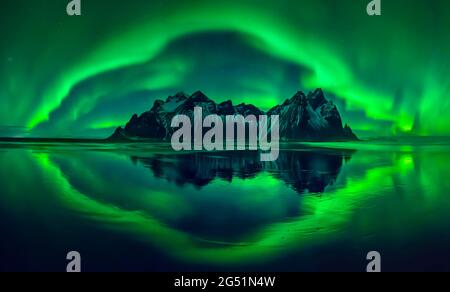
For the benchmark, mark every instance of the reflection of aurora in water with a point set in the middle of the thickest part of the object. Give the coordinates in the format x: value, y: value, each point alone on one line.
x: 366, y: 179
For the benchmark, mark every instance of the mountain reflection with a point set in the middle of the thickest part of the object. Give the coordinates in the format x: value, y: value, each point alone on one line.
x: 304, y: 171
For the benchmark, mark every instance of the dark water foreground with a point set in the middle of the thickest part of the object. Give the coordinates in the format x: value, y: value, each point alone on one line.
x: 141, y: 207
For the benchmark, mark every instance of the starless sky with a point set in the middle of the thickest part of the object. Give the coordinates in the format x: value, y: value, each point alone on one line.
x: 84, y: 76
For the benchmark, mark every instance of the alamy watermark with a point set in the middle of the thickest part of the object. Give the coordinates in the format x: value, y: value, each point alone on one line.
x: 374, y: 8
x: 374, y: 265
x: 74, y: 265
x: 228, y: 134
x: 74, y: 8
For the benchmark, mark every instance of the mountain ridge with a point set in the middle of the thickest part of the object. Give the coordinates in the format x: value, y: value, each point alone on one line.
x: 302, y: 117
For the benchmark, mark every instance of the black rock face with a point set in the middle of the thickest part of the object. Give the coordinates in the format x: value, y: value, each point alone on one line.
x: 303, y: 117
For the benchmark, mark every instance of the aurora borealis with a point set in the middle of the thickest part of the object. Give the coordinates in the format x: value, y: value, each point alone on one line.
x: 83, y: 76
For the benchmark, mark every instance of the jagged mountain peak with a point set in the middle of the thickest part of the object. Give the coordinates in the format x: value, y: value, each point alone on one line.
x: 316, y: 92
x: 157, y: 105
x: 180, y: 96
x: 199, y: 96
x: 317, y: 98
x: 226, y: 108
x: 298, y: 97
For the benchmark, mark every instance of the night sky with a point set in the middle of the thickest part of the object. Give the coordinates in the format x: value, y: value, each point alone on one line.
x: 83, y: 76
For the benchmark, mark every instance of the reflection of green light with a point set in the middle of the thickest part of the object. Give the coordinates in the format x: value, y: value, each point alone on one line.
x: 328, y: 212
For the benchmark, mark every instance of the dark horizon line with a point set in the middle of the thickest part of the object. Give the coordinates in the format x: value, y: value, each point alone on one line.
x: 107, y: 140
x: 49, y: 139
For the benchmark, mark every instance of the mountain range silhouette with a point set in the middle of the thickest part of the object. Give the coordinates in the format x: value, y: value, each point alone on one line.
x: 302, y: 118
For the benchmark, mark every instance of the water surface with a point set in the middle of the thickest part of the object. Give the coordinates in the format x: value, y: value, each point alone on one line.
x: 143, y: 207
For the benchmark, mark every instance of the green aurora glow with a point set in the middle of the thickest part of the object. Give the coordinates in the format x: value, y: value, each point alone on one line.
x: 83, y: 76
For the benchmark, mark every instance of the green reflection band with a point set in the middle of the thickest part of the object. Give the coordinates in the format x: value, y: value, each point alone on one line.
x: 325, y: 216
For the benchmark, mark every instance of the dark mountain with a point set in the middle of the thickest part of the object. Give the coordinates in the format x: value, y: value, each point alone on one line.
x: 303, y: 118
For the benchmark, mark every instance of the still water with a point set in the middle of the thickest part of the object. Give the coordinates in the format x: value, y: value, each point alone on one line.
x: 142, y: 207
